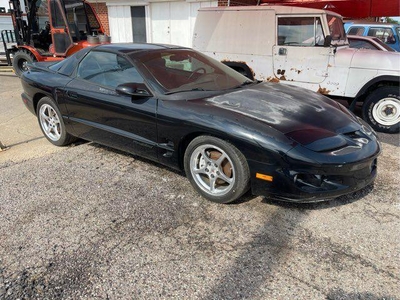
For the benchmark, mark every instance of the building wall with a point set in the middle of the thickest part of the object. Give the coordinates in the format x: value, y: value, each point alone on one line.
x: 169, y: 22
x: 173, y: 22
x: 5, y: 18
x: 5, y: 5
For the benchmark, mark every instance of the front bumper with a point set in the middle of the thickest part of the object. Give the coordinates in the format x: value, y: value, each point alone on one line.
x: 307, y: 183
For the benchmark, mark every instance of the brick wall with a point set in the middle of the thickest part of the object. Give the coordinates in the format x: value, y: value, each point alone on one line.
x: 102, y: 12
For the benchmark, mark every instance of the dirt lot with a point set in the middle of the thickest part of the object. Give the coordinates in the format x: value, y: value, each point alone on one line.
x: 88, y: 222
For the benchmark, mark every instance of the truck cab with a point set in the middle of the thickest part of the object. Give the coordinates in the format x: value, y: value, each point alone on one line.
x: 303, y: 47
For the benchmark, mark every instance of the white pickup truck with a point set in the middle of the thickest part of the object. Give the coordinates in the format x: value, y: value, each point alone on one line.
x: 307, y: 48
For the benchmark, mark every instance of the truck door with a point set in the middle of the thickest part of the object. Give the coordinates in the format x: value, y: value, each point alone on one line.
x: 299, y: 54
x: 61, y: 38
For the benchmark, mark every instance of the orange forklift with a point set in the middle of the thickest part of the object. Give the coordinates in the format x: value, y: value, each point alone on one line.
x: 52, y: 30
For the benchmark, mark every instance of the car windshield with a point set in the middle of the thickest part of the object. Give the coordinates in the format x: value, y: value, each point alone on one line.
x: 371, y: 43
x: 181, y: 70
x: 383, y: 45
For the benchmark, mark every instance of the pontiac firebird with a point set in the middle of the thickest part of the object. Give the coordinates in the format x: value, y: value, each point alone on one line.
x: 185, y: 110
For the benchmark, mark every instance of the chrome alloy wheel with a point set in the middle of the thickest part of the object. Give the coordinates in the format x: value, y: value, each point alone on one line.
x: 212, y: 170
x: 50, y: 122
x: 387, y: 111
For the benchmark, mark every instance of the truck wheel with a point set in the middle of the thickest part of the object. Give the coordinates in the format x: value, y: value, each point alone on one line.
x: 241, y: 68
x: 381, y: 109
x: 21, y: 60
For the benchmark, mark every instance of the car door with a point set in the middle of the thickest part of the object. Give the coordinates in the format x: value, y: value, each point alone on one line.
x: 98, y: 113
x: 300, y: 55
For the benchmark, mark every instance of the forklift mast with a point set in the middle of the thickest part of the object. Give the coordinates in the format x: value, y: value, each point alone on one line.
x: 21, y: 27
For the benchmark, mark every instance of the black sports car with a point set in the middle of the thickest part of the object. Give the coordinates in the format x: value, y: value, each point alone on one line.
x: 187, y: 111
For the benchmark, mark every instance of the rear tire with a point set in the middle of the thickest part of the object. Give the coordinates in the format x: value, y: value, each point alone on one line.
x: 52, y: 124
x: 381, y: 109
x: 21, y: 60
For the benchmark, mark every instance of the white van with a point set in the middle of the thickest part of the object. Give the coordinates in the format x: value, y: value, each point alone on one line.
x: 303, y: 47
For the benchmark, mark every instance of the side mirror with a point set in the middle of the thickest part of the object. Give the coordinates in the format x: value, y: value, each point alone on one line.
x: 133, y: 89
x: 328, y: 40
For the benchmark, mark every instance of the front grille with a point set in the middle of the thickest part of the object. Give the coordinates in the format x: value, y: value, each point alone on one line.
x: 311, y: 183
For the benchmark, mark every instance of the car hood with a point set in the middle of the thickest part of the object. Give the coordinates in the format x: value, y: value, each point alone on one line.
x: 381, y: 61
x: 310, y: 119
x: 287, y: 108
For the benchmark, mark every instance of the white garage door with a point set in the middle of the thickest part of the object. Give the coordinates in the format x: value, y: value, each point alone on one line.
x: 120, y: 20
x: 173, y: 22
x: 166, y: 22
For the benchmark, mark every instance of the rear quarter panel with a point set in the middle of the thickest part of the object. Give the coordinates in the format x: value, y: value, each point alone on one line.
x: 39, y: 83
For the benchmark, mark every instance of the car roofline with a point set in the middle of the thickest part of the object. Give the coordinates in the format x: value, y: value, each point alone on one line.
x: 128, y: 48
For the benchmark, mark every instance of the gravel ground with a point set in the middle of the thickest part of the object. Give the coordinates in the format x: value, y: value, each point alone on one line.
x: 88, y: 222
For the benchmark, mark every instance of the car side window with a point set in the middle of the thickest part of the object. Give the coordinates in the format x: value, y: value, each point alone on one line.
x: 300, y: 31
x: 356, y: 31
x: 107, y: 69
x: 384, y: 34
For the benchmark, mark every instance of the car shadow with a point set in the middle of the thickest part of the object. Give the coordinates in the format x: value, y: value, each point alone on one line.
x: 256, y: 262
x: 248, y: 196
x: 136, y: 157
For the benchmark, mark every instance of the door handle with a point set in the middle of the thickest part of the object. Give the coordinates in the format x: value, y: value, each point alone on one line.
x: 282, y: 51
x: 72, y: 94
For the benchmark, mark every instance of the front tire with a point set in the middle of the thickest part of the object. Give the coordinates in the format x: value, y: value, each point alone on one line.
x: 52, y: 124
x: 21, y: 60
x: 381, y: 109
x: 216, y: 169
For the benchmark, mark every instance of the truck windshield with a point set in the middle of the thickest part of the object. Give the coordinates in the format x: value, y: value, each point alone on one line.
x: 81, y: 19
x: 336, y: 30
x: 41, y: 19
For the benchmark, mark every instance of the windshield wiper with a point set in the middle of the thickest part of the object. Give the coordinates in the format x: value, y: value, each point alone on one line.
x: 188, y: 90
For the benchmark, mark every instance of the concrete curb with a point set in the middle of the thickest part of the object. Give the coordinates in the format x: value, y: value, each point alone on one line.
x: 6, y: 69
